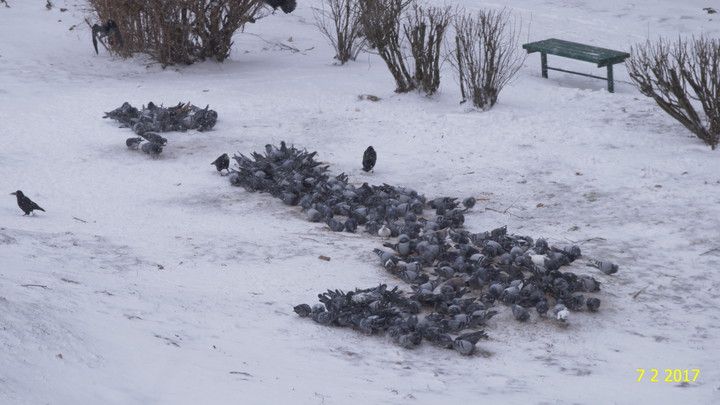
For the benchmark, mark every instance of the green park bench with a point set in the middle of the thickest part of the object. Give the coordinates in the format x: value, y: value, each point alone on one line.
x: 574, y: 50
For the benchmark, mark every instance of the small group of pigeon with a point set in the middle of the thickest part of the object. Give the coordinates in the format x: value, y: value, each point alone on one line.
x: 148, y: 121
x: 395, y: 313
x: 442, y: 262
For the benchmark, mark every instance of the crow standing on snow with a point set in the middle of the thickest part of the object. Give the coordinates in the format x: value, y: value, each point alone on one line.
x: 26, y: 204
x: 369, y: 159
x: 287, y: 6
x: 105, y: 30
x: 223, y: 162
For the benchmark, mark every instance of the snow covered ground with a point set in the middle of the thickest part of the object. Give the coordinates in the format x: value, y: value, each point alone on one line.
x: 153, y: 281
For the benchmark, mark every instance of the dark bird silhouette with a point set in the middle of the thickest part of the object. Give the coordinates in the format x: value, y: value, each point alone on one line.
x: 26, y: 204
x: 369, y: 159
x: 287, y: 6
x: 105, y: 30
x: 222, y: 163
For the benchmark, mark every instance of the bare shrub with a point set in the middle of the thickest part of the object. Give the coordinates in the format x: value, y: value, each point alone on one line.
x: 487, y: 55
x: 380, y: 20
x: 177, y: 31
x: 339, y: 22
x: 684, y: 80
x: 425, y: 29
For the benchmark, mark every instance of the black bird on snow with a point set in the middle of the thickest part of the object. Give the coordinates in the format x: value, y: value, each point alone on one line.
x: 222, y: 162
x: 287, y: 6
x: 26, y: 204
x: 105, y: 30
x: 369, y: 159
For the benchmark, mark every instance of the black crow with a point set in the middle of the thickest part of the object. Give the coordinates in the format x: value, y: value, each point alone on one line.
x: 222, y: 162
x: 369, y: 159
x: 26, y: 204
x: 287, y: 6
x: 105, y: 30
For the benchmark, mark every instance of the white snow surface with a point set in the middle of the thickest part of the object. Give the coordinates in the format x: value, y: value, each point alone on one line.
x: 154, y: 281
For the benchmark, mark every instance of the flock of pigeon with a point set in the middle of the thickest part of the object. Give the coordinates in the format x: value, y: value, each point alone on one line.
x: 456, y: 277
x: 150, y: 120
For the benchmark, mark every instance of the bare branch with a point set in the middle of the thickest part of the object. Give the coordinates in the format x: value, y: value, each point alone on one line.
x: 684, y: 80
x: 486, y: 55
x: 176, y: 31
x: 339, y: 22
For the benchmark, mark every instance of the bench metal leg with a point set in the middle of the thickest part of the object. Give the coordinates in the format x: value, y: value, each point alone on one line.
x: 543, y: 64
x: 611, y: 83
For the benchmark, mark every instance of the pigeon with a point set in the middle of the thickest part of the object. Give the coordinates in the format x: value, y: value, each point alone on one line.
x: 26, y: 204
x: 593, y: 304
x: 542, y: 307
x: 463, y: 347
x: 469, y: 202
x: 473, y: 337
x: 105, y: 30
x: 369, y: 159
x: 561, y: 312
x: 222, y: 163
x: 335, y: 225
x: 303, y: 310
x: 153, y: 137
x: 287, y: 6
x: 384, y: 232
x: 151, y: 148
x: 313, y: 215
x: 133, y: 143
x: 606, y: 267
x: 520, y: 313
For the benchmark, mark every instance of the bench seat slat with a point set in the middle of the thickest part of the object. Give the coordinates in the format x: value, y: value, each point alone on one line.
x: 574, y: 50
x: 577, y: 51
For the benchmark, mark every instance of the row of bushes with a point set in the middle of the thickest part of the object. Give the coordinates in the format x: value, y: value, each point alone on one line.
x: 683, y: 77
x: 177, y: 31
x: 411, y: 39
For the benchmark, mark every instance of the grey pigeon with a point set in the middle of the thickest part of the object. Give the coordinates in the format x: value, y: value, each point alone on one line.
x: 151, y: 148
x: 520, y: 313
x: 469, y: 202
x: 542, y: 307
x: 303, y: 310
x: 606, y: 267
x: 313, y: 215
x: 593, y: 304
x: 153, y: 137
x: 473, y: 337
x: 463, y: 347
x: 335, y: 225
x: 133, y: 143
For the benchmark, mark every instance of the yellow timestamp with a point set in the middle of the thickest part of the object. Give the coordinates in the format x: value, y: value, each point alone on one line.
x: 668, y: 375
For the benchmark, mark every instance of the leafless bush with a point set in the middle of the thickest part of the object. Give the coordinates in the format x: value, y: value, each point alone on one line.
x: 487, y: 55
x: 339, y: 22
x: 177, y: 31
x: 683, y: 78
x: 407, y: 38
x: 424, y: 29
x: 380, y: 20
